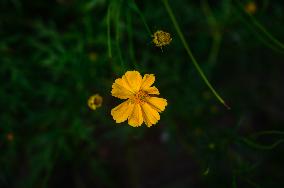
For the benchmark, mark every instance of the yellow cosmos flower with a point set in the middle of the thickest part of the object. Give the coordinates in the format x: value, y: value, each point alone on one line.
x: 161, y: 38
x: 141, y: 104
x: 95, y: 101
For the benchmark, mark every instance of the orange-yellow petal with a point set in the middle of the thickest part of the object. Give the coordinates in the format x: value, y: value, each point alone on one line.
x: 148, y: 80
x: 150, y: 115
x: 121, y: 89
x: 136, y: 118
x: 158, y: 103
x: 133, y: 79
x: 152, y: 90
x: 122, y: 111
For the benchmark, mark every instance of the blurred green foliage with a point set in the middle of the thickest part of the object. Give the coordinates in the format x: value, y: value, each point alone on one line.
x: 55, y: 54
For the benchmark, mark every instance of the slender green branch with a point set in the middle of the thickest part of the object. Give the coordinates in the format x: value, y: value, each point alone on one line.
x: 267, y: 133
x: 234, y: 182
x: 260, y: 146
x: 261, y: 28
x: 130, y: 38
x: 216, y: 33
x: 259, y: 36
x: 171, y: 14
x: 265, y: 32
x: 135, y: 7
x: 118, y: 33
x: 108, y: 32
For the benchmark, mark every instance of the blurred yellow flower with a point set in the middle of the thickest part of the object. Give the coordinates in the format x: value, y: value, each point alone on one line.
x: 93, y: 56
x: 161, y: 38
x: 10, y: 137
x: 95, y: 101
x: 251, y: 7
x: 141, y: 104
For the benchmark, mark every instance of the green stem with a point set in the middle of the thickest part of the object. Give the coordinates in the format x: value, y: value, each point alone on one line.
x: 118, y: 34
x: 170, y: 12
x: 215, y: 30
x: 108, y: 32
x: 261, y: 28
x: 135, y: 7
x: 267, y: 133
x: 258, y: 35
x: 130, y: 39
x: 265, y: 32
x: 234, y: 183
x: 259, y: 146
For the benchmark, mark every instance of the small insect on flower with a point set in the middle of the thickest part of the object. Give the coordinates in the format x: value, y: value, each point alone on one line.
x: 251, y: 7
x: 95, y: 101
x: 161, y: 38
x: 141, y: 104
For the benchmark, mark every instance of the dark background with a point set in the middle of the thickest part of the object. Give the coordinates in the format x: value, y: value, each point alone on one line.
x: 55, y: 54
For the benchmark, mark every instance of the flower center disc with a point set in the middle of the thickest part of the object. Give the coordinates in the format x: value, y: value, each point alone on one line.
x: 140, y: 97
